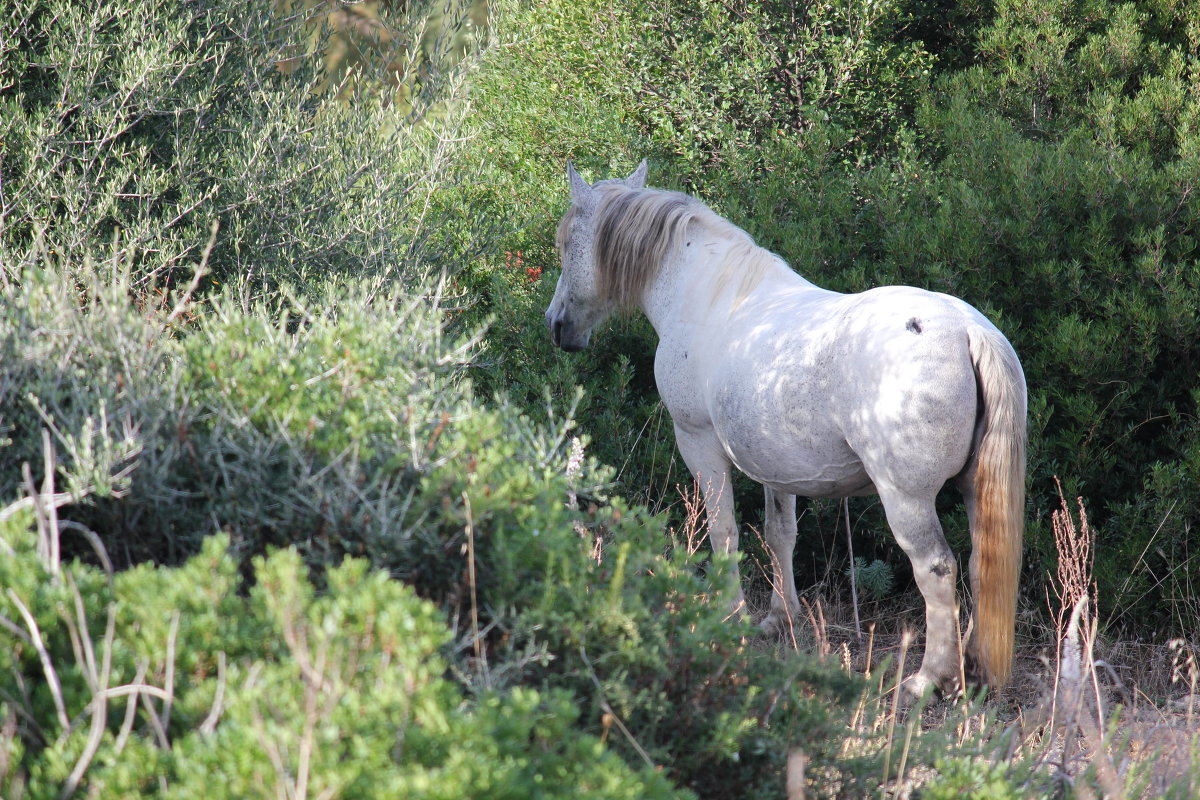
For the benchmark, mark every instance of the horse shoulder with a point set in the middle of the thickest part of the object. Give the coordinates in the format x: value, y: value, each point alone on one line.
x: 676, y: 365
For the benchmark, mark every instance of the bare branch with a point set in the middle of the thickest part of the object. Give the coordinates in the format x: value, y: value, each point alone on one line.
x: 47, y: 666
x: 170, y: 668
x: 99, y: 708
x: 130, y: 707
x: 209, y: 726
x: 184, y: 300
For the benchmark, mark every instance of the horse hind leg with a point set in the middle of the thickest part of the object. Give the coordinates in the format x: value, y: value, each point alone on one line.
x: 914, y: 523
x: 780, y: 535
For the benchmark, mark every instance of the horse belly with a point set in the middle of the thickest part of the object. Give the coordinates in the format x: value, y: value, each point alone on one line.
x: 812, y: 460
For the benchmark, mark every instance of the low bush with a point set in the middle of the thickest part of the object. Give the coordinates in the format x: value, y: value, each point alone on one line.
x: 975, y: 778
x: 173, y: 682
x: 349, y: 427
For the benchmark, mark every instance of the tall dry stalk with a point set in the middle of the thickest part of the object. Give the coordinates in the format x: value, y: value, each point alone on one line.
x: 1076, y: 704
x: 695, y: 530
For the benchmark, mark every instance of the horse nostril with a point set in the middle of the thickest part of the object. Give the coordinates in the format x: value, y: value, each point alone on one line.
x: 556, y: 332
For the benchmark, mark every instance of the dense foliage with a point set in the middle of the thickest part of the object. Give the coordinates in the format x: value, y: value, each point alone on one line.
x: 385, y: 453
x: 1047, y: 179
x: 169, y: 683
x: 271, y: 356
x: 145, y: 148
x: 1057, y: 194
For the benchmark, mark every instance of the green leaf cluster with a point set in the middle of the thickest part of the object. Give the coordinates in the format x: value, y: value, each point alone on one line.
x: 963, y: 777
x: 875, y: 579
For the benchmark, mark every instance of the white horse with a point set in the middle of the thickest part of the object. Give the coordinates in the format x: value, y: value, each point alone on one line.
x: 810, y: 392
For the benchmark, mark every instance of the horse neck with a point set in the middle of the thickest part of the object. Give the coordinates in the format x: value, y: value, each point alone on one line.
x: 692, y: 285
x: 665, y: 299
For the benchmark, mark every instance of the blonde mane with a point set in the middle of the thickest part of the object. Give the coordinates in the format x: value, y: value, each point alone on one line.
x: 637, y: 230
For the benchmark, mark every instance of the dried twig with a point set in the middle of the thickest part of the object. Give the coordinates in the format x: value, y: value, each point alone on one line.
x: 905, y: 641
x: 209, y: 726
x: 853, y: 569
x: 610, y: 714
x: 477, y: 640
x: 47, y: 666
x: 201, y: 270
x: 130, y: 709
x: 99, y: 707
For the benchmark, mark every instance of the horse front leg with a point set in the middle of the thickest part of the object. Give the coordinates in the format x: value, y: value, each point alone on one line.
x: 708, y: 464
x: 780, y: 535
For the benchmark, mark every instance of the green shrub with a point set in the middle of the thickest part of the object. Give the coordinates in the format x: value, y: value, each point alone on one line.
x: 1046, y: 200
x: 174, y: 683
x: 348, y: 427
x: 651, y: 653
x: 144, y: 123
x: 977, y: 779
x: 334, y: 427
x: 875, y: 579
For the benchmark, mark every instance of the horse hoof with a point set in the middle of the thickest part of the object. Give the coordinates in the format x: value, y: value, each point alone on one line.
x: 777, y: 626
x: 917, y: 688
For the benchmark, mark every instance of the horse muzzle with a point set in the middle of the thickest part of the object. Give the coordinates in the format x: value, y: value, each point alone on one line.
x: 564, y: 335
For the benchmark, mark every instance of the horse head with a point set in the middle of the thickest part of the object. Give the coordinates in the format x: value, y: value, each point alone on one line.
x: 578, y: 305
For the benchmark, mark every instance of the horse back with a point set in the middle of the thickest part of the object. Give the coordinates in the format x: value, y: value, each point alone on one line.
x: 818, y: 393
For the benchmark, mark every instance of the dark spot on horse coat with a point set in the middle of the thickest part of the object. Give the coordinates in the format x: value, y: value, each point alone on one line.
x: 914, y: 325
x: 940, y: 568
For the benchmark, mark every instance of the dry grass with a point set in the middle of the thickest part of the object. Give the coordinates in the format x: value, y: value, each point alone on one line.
x: 1089, y: 717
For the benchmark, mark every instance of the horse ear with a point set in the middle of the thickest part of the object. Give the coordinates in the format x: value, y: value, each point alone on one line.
x: 638, y: 179
x: 579, y: 187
